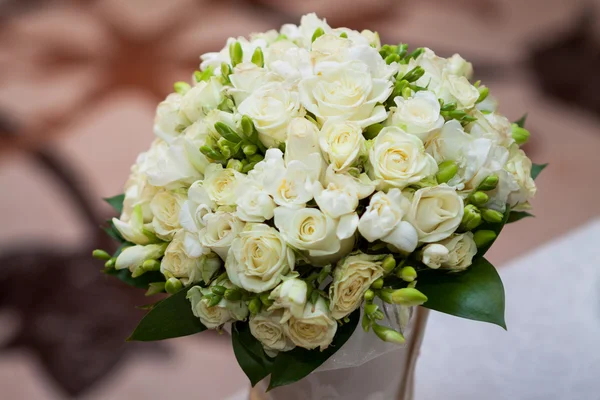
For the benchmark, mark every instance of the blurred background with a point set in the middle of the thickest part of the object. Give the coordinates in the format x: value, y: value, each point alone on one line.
x: 79, y: 83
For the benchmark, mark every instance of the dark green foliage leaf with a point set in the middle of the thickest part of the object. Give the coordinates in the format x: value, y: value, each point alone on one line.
x: 250, y: 354
x: 518, y: 215
x: 521, y: 121
x: 170, y: 318
x: 291, y: 366
x: 141, y: 281
x: 476, y: 293
x: 113, y: 232
x: 116, y: 202
x: 536, y: 169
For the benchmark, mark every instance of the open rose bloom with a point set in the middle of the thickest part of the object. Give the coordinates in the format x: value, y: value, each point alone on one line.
x: 310, y: 183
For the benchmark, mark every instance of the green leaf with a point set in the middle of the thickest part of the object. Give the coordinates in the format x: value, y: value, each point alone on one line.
x: 170, y: 318
x: 521, y: 121
x: 476, y: 293
x: 142, y: 281
x: 536, y: 169
x: 291, y: 366
x: 250, y: 354
x: 116, y: 202
x: 518, y: 215
x: 113, y: 232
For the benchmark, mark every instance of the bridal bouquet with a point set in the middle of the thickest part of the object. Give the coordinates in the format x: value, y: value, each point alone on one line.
x: 309, y: 175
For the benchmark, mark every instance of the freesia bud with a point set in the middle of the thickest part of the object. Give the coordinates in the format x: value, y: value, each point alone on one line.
x: 235, y: 164
x: 212, y: 153
x: 479, y: 198
x: 446, y: 171
x: 110, y: 263
x: 366, y: 324
x: 225, y: 72
x: 258, y: 58
x: 173, y: 285
x: 489, y: 183
x: 483, y: 93
x: 414, y: 74
x: 492, y: 216
x: 318, y: 33
x: 213, y: 299
x: 205, y: 75
x: 264, y: 299
x: 233, y: 295
x: 392, y: 58
x: 378, y: 284
x: 483, y: 237
x: 371, y: 308
x: 407, y: 274
x: 471, y: 218
x: 101, y: 255
x: 255, y: 158
x: 372, y: 131
x: 155, y: 288
x: 250, y: 149
x: 520, y: 135
x: 344, y: 35
x: 408, y: 297
x: 406, y: 92
x: 388, y: 264
x: 218, y: 290
x: 236, y: 53
x: 151, y: 265
x: 369, y: 295
x: 181, y: 87
x: 386, y: 295
x: 255, y: 305
x: 387, y: 334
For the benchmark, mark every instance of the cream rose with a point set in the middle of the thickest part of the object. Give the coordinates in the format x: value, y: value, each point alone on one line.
x: 213, y: 317
x: 343, y: 143
x: 290, y: 295
x: 351, y: 278
x: 398, y: 159
x: 418, y: 115
x: 178, y: 263
x: 383, y: 220
x: 519, y: 167
x: 253, y: 203
x: 435, y: 212
x: 461, y: 250
x: 221, y: 228
x: 271, y: 108
x: 492, y: 126
x: 169, y: 122
x: 266, y: 327
x: 316, y: 327
x: 316, y: 233
x: 302, y: 140
x: 165, y: 207
x: 201, y: 98
x: 345, y: 91
x: 168, y: 164
x: 459, y: 66
x: 220, y: 184
x: 458, y: 89
x: 246, y: 78
x: 258, y: 258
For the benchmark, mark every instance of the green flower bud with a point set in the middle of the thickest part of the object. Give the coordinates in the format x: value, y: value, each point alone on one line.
x: 446, y: 171
x: 137, y: 271
x: 388, y: 264
x: 248, y: 167
x: 520, y: 135
x: 366, y: 324
x: 378, y: 284
x: 226, y: 132
x: 101, y: 255
x: 256, y: 158
x: 212, y: 153
x: 344, y: 35
x: 258, y: 58
x: 414, y: 74
x: 155, y: 288
x: 213, y: 299
x: 406, y: 92
x: 408, y: 297
x: 255, y: 305
x: 247, y: 126
x: 225, y: 72
x: 371, y: 308
x: 173, y: 285
x: 449, y: 106
x: 483, y: 93
x: 236, y: 53
x: 233, y: 294
x: 386, y: 295
x: 235, y: 164
x: 205, y: 75
x: 264, y: 299
x: 218, y: 290
x: 387, y: 334
x: 488, y: 183
x: 110, y: 263
x: 407, y: 274
x: 318, y: 33
x: 471, y: 218
x: 492, y: 216
x: 402, y: 49
x: 369, y: 295
x: 483, y: 237
x: 378, y: 315
x: 392, y: 58
x: 224, y: 145
x: 479, y: 198
x: 372, y: 131
x: 250, y: 149
x: 181, y: 87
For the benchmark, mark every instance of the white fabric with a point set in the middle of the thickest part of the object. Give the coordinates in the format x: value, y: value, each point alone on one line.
x: 552, y: 348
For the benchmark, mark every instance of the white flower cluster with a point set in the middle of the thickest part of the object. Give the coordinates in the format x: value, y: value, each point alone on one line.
x: 298, y: 161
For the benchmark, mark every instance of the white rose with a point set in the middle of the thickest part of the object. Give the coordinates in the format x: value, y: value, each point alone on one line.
x: 345, y: 91
x: 302, y: 140
x: 433, y: 66
x: 398, y: 159
x: 459, y: 66
x: 290, y: 295
x: 248, y: 77
x: 134, y: 256
x: 138, y: 192
x: 220, y: 184
x: 434, y: 255
x: 458, y: 89
x: 461, y: 250
x: 330, y: 47
x: 351, y: 278
x: 435, y: 212
x: 519, y: 167
x: 266, y: 327
x: 221, y: 228
x: 418, y: 115
x: 213, y: 317
x: 383, y: 220
x: 290, y: 62
x: 492, y: 126
x: 311, y: 230
x: 189, y: 269
x: 169, y: 122
x: 168, y: 165
x: 271, y: 108
x: 259, y: 258
x: 253, y: 203
x: 343, y: 143
x: 165, y: 207
x: 201, y: 98
x: 316, y: 328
